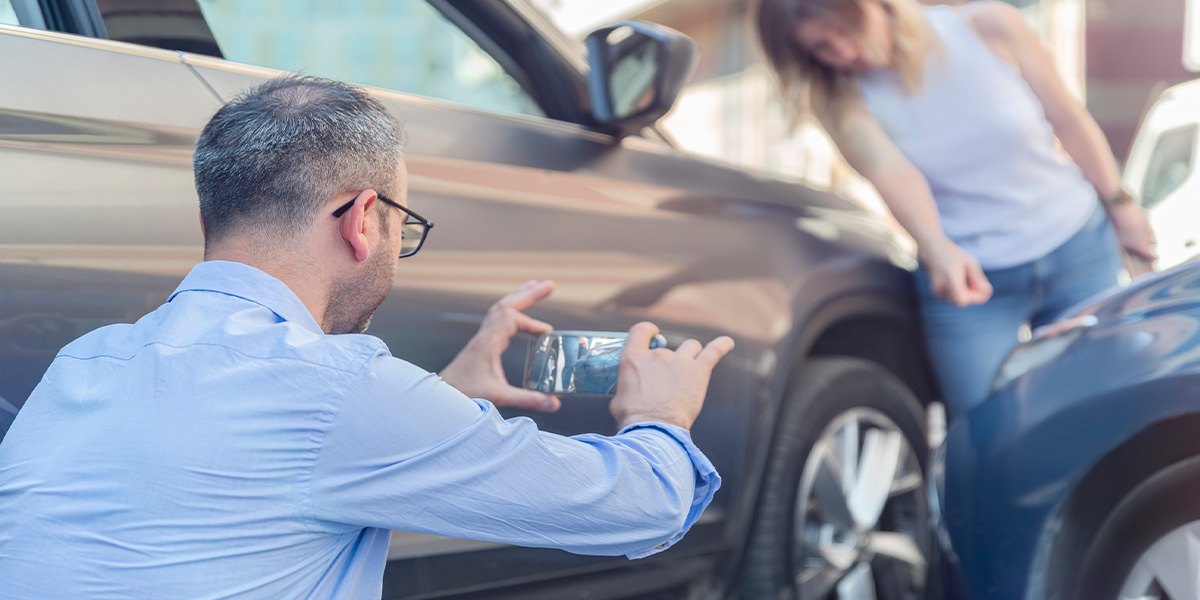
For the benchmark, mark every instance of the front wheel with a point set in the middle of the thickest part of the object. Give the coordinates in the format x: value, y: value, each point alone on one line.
x: 1147, y: 549
x: 843, y: 513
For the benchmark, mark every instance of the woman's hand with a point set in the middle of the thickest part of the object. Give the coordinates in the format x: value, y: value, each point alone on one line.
x: 955, y: 275
x: 1133, y: 230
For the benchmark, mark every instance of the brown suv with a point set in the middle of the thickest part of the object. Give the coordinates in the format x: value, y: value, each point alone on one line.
x: 530, y: 171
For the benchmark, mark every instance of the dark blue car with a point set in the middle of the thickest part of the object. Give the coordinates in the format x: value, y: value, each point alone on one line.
x: 1079, y: 478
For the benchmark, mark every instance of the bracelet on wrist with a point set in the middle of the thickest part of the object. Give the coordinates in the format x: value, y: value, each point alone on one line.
x: 1118, y: 199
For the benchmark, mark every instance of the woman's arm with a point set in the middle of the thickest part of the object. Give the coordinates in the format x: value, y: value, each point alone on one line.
x: 1004, y: 30
x: 956, y: 276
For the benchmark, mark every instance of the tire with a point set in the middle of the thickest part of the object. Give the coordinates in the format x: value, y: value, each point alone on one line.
x: 1143, y: 546
x: 803, y: 544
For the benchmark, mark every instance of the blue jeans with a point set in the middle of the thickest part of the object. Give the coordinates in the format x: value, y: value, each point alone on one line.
x: 967, y: 345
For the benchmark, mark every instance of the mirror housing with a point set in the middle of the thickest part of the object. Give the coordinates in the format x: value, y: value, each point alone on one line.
x: 637, y: 72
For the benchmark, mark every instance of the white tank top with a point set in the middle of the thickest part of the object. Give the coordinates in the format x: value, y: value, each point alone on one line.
x: 980, y: 136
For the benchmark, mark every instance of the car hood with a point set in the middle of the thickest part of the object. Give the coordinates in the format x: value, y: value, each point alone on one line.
x: 1147, y: 296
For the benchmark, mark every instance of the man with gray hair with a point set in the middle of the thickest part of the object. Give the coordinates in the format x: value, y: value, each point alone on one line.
x: 246, y: 440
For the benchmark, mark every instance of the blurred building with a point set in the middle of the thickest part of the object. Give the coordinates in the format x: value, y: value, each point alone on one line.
x: 1135, y: 49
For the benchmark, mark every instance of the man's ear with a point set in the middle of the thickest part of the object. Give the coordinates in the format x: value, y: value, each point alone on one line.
x: 354, y: 224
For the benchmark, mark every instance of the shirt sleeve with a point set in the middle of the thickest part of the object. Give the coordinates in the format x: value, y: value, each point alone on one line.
x: 407, y: 451
x: 707, y: 480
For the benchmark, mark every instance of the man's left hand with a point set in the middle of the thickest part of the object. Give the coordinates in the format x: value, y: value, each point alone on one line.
x: 477, y: 371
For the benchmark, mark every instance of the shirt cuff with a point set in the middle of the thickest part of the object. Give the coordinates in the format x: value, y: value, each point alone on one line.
x: 707, y: 480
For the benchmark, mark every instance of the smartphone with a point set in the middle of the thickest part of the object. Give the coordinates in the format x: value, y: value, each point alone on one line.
x: 577, y: 362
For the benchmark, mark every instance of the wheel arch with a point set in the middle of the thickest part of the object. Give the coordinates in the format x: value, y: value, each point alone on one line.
x: 870, y: 325
x: 1068, y: 534
x: 877, y: 325
x: 895, y: 344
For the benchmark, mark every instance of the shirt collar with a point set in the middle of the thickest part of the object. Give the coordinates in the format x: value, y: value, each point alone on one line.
x: 246, y: 282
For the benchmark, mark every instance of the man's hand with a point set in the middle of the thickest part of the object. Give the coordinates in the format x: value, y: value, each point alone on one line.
x: 1133, y: 230
x: 477, y: 372
x: 955, y: 275
x: 662, y: 385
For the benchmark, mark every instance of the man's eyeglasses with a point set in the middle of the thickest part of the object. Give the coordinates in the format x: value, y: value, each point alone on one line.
x: 412, y: 232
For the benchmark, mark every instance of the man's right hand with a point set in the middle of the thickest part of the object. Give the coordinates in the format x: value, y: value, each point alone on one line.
x: 661, y: 385
x: 955, y: 275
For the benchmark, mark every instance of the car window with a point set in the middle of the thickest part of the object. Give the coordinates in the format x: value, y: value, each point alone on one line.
x: 8, y: 16
x: 405, y: 46
x: 175, y: 25
x: 1170, y: 164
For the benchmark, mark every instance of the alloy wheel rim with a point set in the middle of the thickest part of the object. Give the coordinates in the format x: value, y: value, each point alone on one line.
x: 858, y: 512
x: 1167, y: 570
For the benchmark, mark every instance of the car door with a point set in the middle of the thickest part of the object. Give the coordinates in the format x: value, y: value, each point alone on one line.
x: 100, y: 220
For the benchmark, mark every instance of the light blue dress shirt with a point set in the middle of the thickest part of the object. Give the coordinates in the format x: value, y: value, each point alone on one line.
x: 224, y: 446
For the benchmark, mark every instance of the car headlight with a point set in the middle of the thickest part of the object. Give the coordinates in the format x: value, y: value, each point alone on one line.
x: 1048, y: 343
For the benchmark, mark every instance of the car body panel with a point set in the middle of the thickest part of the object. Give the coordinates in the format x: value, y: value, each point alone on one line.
x: 95, y: 228
x: 1012, y: 464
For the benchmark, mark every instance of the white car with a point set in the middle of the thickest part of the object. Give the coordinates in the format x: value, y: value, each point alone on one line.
x: 1161, y: 172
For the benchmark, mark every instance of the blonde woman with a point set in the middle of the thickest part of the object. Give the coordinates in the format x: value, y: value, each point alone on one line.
x: 953, y: 114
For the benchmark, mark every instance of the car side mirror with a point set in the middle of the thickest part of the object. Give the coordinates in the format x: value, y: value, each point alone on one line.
x: 637, y: 72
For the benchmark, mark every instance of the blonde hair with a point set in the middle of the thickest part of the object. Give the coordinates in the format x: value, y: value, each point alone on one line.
x: 809, y: 86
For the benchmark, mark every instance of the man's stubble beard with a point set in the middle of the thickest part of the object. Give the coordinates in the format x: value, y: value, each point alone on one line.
x: 353, y: 300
